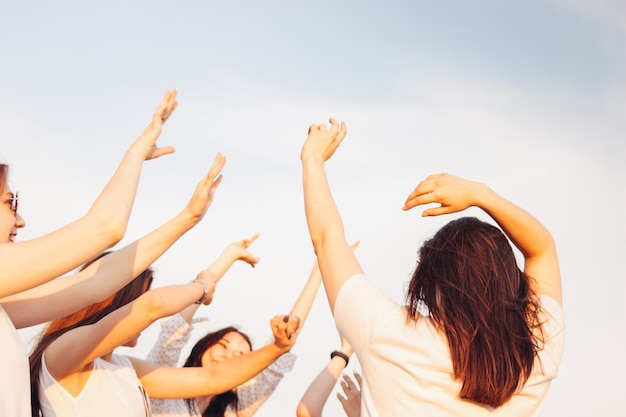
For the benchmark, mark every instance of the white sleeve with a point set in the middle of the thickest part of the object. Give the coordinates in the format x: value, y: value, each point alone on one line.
x: 360, y: 308
x: 174, y: 335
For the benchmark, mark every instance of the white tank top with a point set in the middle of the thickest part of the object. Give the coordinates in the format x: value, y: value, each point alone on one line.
x: 14, y: 374
x: 112, y: 389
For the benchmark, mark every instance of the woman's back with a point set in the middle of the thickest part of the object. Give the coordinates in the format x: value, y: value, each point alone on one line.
x: 407, y: 368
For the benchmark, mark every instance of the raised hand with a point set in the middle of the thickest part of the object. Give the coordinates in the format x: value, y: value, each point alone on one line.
x: 452, y: 193
x: 322, y: 143
x: 203, y: 195
x: 239, y: 251
x: 284, y: 328
x: 147, y: 140
x: 351, y: 403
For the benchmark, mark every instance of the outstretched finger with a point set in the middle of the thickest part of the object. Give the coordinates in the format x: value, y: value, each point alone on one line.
x: 342, y: 131
x: 419, y: 200
x: 349, y: 382
x: 218, y: 164
x: 334, y: 126
x: 343, y: 400
x: 166, y: 106
x: 247, y: 242
x: 437, y: 211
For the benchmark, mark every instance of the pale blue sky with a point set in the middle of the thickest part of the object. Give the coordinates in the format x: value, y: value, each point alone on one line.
x: 527, y: 96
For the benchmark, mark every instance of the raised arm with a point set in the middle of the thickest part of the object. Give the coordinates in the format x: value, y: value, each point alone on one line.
x: 112, y: 272
x: 336, y: 260
x: 236, y: 251
x: 79, y: 347
x: 314, y: 398
x: 174, y: 333
x: 191, y: 382
x: 534, y: 241
x: 34, y: 262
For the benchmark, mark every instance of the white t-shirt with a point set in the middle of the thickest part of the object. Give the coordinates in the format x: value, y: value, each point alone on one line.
x: 407, y: 368
x: 14, y: 370
x: 112, y: 390
x: 175, y: 333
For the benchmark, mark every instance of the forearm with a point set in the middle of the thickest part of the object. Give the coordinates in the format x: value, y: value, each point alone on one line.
x: 222, y: 264
x: 37, y: 261
x: 524, y: 230
x: 166, y: 301
x: 236, y: 371
x: 321, y: 212
x: 198, y: 381
x: 302, y: 306
x: 99, y: 280
x: 316, y: 395
x: 336, y: 260
x: 531, y: 238
x: 115, y: 202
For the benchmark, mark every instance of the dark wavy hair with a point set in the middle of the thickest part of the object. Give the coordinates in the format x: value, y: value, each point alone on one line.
x: 218, y: 404
x: 86, y: 316
x: 469, y: 280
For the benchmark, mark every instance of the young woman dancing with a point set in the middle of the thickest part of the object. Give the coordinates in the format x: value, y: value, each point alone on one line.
x: 220, y: 347
x: 34, y: 264
x: 75, y: 371
x: 492, y: 338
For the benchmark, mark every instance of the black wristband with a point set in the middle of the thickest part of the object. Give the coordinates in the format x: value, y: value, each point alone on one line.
x: 341, y: 355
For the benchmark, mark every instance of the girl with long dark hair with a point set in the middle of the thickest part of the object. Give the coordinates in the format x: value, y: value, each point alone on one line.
x: 478, y: 336
x: 75, y: 372
x: 221, y: 347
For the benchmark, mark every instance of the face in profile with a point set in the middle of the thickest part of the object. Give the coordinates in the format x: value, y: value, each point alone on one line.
x: 231, y: 345
x: 10, y: 220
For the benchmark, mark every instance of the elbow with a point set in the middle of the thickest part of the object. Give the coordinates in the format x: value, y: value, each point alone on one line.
x: 115, y: 231
x: 302, y: 410
x: 111, y: 228
x: 153, y: 305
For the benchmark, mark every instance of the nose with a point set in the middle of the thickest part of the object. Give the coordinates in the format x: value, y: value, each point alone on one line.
x: 19, y: 221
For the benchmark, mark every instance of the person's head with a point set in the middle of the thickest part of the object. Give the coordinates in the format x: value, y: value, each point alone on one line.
x: 86, y: 316
x: 213, y: 348
x: 468, y: 278
x: 10, y: 219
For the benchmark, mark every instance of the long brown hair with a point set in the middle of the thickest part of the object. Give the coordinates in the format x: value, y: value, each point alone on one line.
x: 86, y: 316
x: 220, y: 402
x: 468, y: 278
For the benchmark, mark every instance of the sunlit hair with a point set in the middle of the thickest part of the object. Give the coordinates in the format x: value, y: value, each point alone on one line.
x: 4, y: 176
x: 468, y: 278
x: 86, y: 316
x: 218, y: 404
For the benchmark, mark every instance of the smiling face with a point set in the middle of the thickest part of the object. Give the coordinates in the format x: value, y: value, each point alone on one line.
x: 231, y: 345
x: 10, y: 220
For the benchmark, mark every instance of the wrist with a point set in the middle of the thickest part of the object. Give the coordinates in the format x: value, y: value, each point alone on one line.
x: 337, y: 353
x: 311, y: 159
x: 205, y: 288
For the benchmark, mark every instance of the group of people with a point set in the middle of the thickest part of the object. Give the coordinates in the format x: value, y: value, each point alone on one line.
x: 476, y: 336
